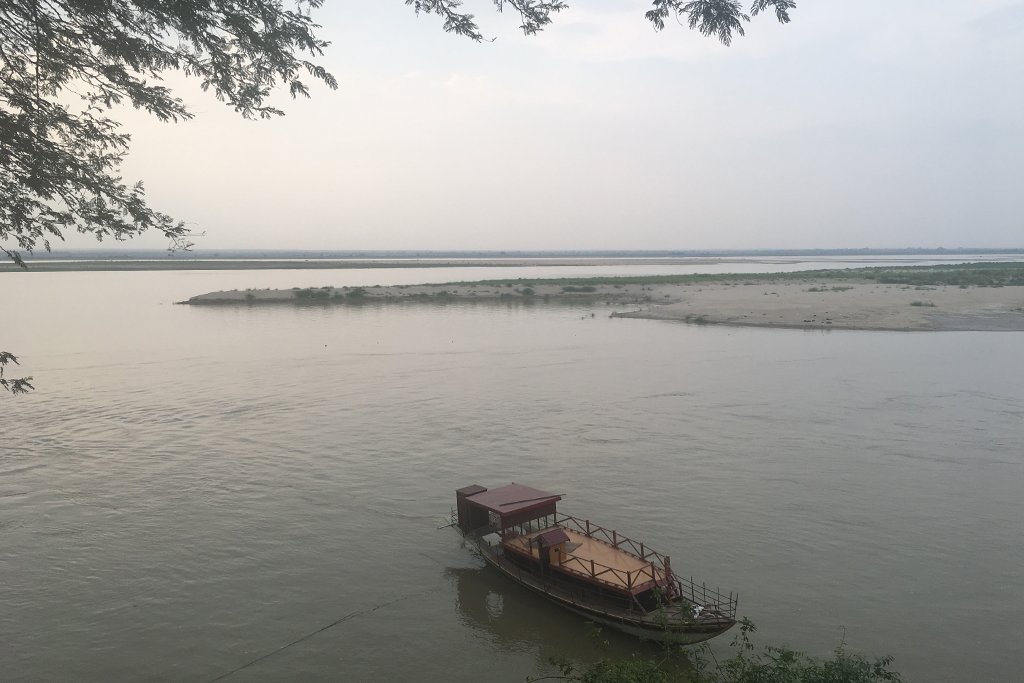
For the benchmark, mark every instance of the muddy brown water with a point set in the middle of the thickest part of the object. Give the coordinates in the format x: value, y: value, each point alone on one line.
x: 190, y: 489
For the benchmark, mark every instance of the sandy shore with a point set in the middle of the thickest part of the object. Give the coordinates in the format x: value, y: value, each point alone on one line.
x: 801, y: 304
x: 846, y: 305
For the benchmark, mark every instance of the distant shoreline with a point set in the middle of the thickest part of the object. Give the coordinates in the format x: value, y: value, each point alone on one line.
x: 207, y: 259
x: 360, y: 264
x: 977, y: 297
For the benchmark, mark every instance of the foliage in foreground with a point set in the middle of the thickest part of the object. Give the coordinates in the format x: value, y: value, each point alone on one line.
x: 19, y: 385
x: 65, y: 65
x: 772, y: 665
x: 715, y: 18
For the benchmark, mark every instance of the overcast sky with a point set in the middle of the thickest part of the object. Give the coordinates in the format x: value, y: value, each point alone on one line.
x: 871, y: 123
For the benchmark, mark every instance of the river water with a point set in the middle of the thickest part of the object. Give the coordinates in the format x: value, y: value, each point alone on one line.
x: 191, y: 489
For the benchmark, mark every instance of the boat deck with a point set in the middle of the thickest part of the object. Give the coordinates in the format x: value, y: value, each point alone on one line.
x: 596, y: 560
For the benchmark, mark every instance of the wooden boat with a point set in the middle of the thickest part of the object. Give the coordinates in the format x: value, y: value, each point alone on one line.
x: 593, y: 571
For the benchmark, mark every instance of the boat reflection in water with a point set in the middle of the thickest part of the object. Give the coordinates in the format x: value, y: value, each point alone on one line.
x: 516, y: 620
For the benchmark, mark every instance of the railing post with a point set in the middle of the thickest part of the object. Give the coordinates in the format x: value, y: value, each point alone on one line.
x: 592, y: 572
x: 643, y: 554
x: 588, y: 528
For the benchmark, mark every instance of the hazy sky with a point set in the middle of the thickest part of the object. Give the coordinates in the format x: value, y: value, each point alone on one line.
x: 870, y: 123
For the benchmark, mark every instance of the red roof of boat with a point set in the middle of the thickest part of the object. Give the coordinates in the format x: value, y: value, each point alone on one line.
x: 512, y: 498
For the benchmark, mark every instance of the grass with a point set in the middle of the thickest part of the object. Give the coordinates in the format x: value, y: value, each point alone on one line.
x: 963, y: 275
x: 312, y: 294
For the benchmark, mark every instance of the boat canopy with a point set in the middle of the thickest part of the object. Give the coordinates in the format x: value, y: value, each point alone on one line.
x: 508, y: 500
x: 506, y: 505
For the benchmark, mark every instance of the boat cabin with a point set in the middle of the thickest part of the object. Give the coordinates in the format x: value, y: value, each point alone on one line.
x: 506, y: 509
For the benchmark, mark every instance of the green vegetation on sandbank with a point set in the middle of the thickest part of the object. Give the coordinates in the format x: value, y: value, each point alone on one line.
x: 962, y: 274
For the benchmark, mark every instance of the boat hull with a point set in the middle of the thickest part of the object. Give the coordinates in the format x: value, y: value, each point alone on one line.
x: 687, y: 633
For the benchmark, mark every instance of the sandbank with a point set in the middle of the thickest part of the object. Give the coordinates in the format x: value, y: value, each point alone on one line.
x: 826, y: 303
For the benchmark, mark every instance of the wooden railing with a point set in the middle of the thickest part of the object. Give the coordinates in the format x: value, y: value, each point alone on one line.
x: 709, y: 599
x: 601, y: 572
x: 715, y: 602
x: 612, y: 538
